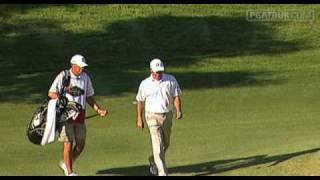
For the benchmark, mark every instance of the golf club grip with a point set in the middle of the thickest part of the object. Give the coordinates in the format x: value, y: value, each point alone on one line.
x: 91, y: 116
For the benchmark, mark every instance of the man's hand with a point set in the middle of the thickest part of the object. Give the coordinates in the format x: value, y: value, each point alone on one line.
x: 102, y: 112
x: 99, y: 109
x: 140, y: 124
x: 177, y: 104
x: 140, y: 108
x: 178, y: 115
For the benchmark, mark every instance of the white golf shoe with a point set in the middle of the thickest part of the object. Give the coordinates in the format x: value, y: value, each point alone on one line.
x: 153, y: 168
x: 73, y: 174
x: 62, y: 165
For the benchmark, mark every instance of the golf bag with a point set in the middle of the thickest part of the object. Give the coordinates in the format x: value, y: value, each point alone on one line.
x: 36, y: 126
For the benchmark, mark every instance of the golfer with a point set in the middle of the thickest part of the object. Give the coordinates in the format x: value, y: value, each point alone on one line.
x: 73, y: 132
x: 156, y: 97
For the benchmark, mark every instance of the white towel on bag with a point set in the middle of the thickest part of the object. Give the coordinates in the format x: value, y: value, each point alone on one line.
x: 50, y: 129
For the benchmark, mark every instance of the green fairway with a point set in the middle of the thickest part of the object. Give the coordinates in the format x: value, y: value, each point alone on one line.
x: 250, y: 89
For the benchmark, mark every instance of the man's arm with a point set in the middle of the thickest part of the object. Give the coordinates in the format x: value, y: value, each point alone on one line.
x: 140, y: 108
x: 56, y: 87
x: 53, y: 95
x: 99, y: 109
x: 177, y: 105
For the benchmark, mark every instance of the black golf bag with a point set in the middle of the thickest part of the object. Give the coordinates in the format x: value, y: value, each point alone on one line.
x: 36, y: 126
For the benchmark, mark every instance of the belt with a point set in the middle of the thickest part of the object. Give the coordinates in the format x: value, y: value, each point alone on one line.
x: 159, y: 113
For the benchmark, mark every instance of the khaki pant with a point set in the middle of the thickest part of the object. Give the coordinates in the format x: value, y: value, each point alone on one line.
x: 159, y: 125
x: 72, y: 131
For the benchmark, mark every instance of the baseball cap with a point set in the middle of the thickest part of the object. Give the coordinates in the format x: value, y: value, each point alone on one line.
x: 156, y: 65
x: 79, y: 60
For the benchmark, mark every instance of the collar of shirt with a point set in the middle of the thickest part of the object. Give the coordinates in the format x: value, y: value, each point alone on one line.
x: 154, y: 80
x: 74, y: 76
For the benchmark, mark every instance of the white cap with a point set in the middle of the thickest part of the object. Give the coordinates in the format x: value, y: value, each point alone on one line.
x: 79, y: 60
x: 156, y: 65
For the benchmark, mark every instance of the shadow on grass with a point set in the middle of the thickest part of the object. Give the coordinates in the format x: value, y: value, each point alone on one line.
x: 37, y: 49
x: 192, y: 80
x: 196, y: 80
x: 7, y: 10
x: 209, y: 168
x: 26, y: 87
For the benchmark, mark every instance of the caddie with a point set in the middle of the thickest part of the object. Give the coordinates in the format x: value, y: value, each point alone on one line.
x: 80, y: 90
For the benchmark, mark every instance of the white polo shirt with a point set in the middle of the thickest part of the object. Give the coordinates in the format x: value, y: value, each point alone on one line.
x: 158, y: 96
x: 83, y: 82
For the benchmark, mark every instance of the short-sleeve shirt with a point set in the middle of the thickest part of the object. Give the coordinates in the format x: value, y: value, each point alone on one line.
x: 83, y: 82
x: 158, y: 96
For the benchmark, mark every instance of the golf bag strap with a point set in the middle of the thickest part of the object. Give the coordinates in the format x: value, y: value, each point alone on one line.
x: 65, y: 82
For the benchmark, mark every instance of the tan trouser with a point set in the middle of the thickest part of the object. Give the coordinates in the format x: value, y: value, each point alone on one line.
x: 72, y: 131
x: 159, y: 125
